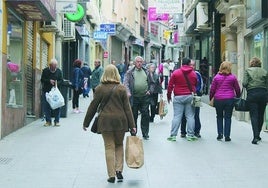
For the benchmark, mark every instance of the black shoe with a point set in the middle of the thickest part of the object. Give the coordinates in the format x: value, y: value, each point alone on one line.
x: 227, y: 139
x: 197, y: 135
x: 259, y: 138
x: 119, y: 176
x: 111, y: 179
x: 219, y: 137
x: 255, y: 141
x: 146, y: 137
x: 183, y: 135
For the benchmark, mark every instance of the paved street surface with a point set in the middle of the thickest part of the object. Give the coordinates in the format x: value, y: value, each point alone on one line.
x: 67, y: 157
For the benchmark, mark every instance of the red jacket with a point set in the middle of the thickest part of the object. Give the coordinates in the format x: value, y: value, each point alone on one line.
x: 178, y: 84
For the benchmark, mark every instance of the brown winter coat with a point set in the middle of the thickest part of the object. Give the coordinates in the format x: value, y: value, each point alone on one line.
x: 117, y: 113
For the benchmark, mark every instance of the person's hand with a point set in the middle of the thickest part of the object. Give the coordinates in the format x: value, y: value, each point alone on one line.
x: 161, y: 95
x: 52, y: 82
x: 84, y: 128
x: 148, y: 93
x: 133, y: 131
x: 169, y: 100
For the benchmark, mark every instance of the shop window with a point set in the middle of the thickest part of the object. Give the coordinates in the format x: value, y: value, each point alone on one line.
x: 14, y: 77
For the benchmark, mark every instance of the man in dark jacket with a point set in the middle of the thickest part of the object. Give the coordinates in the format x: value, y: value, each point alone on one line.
x: 51, y: 76
x: 96, y: 74
x: 137, y: 84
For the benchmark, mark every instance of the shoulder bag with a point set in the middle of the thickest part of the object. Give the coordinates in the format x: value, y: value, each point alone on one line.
x: 94, y: 127
x: 241, y: 103
x: 196, y: 101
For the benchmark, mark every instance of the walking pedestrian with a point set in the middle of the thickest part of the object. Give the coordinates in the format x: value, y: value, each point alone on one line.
x: 87, y: 72
x: 136, y: 82
x: 224, y: 88
x: 256, y: 82
x: 155, y: 89
x: 122, y: 70
x: 114, y: 120
x: 51, y: 76
x: 182, y: 99
x: 96, y: 74
x: 166, y: 73
x: 78, y: 85
x: 199, y: 90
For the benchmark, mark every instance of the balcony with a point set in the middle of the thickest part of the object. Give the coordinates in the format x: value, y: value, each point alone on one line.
x: 144, y: 34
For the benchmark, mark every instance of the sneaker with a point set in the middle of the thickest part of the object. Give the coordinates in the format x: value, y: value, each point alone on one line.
x: 119, y: 176
x: 57, y: 124
x: 183, y: 135
x: 75, y: 111
x: 191, y: 138
x: 172, y: 138
x: 47, y: 124
x: 197, y: 135
x: 80, y: 111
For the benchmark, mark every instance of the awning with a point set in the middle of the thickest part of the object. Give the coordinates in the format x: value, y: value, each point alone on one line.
x: 34, y: 10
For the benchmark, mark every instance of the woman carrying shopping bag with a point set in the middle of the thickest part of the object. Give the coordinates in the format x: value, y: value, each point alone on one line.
x: 114, y: 120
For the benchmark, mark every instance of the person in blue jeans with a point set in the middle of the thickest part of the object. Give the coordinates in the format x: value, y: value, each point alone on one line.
x: 224, y: 89
x: 199, y: 89
x: 51, y: 76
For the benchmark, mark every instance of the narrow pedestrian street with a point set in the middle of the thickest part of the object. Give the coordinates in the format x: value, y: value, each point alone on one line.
x: 67, y: 157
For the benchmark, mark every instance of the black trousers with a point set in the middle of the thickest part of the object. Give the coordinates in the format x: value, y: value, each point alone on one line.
x: 142, y: 104
x: 153, y: 104
x: 257, y: 103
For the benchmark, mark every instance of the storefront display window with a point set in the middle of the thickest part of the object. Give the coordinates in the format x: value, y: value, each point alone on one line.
x: 14, y: 62
x: 257, y: 50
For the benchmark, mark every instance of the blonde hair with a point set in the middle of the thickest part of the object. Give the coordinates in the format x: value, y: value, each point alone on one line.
x: 110, y: 75
x: 225, y: 67
x: 255, y: 62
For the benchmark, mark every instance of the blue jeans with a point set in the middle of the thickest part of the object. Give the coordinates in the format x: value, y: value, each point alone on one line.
x: 182, y: 104
x: 48, y: 111
x: 224, y: 111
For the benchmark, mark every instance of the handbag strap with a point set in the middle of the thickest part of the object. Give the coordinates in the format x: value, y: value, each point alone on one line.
x: 107, y: 99
x: 188, y: 82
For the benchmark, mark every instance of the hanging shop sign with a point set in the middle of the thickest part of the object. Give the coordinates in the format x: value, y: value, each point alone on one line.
x: 66, y: 6
x: 77, y: 16
x: 39, y: 10
x: 108, y: 28
x: 168, y: 6
x: 153, y: 16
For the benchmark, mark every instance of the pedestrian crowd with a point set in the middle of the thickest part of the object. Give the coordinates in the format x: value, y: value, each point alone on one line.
x: 124, y: 92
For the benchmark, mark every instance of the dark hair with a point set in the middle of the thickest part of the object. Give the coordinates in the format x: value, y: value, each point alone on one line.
x: 77, y: 63
x: 186, y: 61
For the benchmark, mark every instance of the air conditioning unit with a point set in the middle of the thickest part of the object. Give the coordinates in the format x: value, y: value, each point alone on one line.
x: 69, y: 30
x: 49, y: 27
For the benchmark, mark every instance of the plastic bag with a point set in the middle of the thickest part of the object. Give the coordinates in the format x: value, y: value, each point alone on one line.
x: 55, y: 98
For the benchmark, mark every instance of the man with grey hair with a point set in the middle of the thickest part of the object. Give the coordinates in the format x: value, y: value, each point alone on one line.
x: 51, y: 76
x: 137, y: 84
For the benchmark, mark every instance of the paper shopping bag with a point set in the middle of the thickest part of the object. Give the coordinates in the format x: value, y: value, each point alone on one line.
x: 134, y: 152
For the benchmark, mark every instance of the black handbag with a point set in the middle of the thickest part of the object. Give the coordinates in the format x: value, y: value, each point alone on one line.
x: 94, y: 127
x: 241, y: 103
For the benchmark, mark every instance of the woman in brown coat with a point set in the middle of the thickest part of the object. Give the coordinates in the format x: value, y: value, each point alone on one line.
x: 114, y: 120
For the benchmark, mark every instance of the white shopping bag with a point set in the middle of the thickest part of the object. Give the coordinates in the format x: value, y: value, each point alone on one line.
x: 55, y: 98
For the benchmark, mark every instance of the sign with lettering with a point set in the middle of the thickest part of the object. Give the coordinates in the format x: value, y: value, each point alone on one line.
x: 169, y: 6
x: 100, y: 35
x: 39, y: 10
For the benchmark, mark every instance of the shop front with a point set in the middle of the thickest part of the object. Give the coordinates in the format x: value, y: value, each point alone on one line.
x: 19, y: 99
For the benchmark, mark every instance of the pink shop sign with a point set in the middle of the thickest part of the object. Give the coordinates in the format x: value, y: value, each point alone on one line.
x: 153, y: 16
